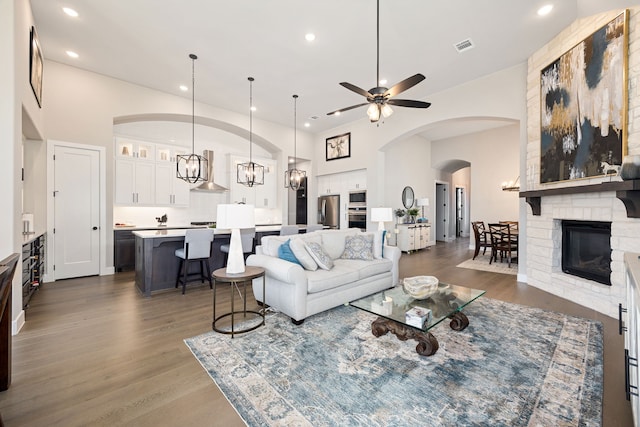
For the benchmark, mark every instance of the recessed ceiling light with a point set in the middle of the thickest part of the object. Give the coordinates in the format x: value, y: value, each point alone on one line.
x: 70, y: 12
x: 544, y: 10
x: 383, y: 82
x: 307, y: 124
x: 184, y: 88
x: 72, y: 54
x: 337, y: 113
x: 310, y: 37
x: 253, y: 108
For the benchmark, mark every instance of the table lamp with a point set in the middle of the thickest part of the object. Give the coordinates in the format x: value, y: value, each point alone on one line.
x: 422, y: 203
x: 381, y: 215
x: 234, y: 217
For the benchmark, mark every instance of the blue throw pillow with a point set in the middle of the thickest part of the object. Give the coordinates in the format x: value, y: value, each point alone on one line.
x: 285, y: 253
x: 384, y: 232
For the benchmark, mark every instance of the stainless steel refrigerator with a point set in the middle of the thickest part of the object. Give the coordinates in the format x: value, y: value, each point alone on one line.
x: 329, y: 211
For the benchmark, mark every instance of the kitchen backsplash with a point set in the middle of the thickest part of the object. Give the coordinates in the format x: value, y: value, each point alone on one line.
x: 202, y: 207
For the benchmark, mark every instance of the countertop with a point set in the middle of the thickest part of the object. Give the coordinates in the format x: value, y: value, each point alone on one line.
x: 171, y: 232
x: 182, y: 226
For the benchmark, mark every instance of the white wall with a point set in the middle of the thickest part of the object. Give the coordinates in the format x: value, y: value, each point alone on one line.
x: 494, y: 156
x: 499, y: 95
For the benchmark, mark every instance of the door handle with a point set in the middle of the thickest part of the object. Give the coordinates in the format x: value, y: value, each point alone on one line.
x: 95, y: 228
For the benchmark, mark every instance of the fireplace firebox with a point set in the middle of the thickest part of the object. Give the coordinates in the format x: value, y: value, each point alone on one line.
x: 586, y: 250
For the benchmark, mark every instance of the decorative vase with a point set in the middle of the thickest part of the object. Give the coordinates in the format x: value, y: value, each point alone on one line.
x: 630, y: 168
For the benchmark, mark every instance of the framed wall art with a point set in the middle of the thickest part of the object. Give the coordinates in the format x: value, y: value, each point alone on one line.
x: 35, y: 65
x: 583, y: 103
x: 339, y: 147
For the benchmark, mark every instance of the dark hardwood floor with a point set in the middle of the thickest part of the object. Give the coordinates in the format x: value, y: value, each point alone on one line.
x: 94, y: 352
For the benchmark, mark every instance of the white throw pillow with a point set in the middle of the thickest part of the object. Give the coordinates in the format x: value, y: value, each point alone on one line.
x: 318, y: 254
x: 299, y: 250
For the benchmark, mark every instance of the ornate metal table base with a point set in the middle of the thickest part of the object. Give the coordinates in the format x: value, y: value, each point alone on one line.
x: 427, y: 343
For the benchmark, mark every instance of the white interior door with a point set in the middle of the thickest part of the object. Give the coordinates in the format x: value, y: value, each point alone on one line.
x: 76, y: 212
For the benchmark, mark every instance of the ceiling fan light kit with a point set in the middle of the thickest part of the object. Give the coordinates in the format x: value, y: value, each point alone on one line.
x: 250, y: 173
x: 380, y: 98
x: 192, y: 168
x: 293, y: 177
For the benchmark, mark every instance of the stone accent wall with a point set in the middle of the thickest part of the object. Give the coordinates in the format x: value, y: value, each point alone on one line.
x: 543, y: 233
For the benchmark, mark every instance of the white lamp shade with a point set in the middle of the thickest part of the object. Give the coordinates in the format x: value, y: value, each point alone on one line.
x: 423, y: 202
x: 235, y: 217
x: 381, y: 214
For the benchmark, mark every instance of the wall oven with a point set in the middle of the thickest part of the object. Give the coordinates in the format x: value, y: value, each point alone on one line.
x: 357, y: 216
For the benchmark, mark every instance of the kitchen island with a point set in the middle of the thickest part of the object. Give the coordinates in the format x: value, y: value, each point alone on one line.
x: 156, y: 265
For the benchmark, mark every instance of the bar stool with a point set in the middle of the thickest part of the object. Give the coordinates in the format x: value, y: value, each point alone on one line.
x: 287, y: 230
x: 314, y: 227
x: 197, y: 247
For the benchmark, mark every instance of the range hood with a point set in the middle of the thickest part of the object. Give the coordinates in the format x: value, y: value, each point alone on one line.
x: 210, y: 185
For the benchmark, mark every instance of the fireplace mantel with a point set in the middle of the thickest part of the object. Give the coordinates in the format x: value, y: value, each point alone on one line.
x: 627, y: 191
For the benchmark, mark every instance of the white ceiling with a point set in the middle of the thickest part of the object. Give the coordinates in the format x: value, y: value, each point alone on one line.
x: 147, y: 42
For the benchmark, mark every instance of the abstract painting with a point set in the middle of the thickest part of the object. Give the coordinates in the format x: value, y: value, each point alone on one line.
x: 583, y: 99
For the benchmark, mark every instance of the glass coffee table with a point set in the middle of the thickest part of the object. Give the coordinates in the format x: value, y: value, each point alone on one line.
x: 393, y: 304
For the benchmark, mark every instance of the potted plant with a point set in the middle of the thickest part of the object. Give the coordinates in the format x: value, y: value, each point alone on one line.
x: 413, y: 213
x: 399, y: 214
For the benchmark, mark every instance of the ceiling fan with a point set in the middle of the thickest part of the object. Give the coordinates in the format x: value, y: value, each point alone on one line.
x: 380, y: 98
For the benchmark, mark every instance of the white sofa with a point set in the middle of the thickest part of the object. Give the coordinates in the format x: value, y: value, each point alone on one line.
x: 300, y: 292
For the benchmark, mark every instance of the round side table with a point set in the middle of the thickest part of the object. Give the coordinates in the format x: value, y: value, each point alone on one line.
x: 221, y: 275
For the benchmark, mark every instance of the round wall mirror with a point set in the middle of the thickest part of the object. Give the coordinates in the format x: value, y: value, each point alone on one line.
x: 408, y: 197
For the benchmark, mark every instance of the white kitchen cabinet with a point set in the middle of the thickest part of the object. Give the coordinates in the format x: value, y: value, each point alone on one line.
x: 631, y: 331
x: 169, y: 190
x: 135, y: 182
x: 357, y: 179
x: 330, y: 184
x: 413, y: 237
x: 261, y: 196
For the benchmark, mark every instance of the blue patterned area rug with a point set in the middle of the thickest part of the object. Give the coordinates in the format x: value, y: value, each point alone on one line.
x: 513, y: 366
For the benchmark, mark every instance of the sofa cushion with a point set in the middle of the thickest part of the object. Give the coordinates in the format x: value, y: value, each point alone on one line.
x: 339, y: 275
x: 304, y: 258
x: 359, y: 246
x: 364, y: 269
x: 319, y: 255
x: 271, y: 244
x: 333, y: 240
x: 285, y: 253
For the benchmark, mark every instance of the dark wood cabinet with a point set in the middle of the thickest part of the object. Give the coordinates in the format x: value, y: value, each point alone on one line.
x: 124, y: 253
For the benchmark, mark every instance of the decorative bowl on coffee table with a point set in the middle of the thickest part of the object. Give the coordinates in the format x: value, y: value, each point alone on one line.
x: 420, y: 287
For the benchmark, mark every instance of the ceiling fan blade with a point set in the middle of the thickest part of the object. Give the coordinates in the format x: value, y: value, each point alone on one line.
x: 404, y: 85
x: 409, y: 103
x: 356, y: 89
x: 347, y: 108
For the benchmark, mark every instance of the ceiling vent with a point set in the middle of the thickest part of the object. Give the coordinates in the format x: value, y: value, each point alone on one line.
x: 464, y: 45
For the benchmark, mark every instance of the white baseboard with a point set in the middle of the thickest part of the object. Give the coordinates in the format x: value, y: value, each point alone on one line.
x: 522, y: 278
x: 107, y: 271
x: 18, y: 323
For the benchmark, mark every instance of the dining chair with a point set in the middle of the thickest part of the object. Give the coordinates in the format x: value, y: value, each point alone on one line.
x: 502, y: 242
x: 197, y: 247
x: 287, y: 230
x: 483, y: 239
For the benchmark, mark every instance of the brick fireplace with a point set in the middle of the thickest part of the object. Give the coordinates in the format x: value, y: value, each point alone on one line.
x: 601, y: 202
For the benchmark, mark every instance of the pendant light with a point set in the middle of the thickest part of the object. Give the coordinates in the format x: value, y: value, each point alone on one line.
x: 293, y: 177
x: 250, y: 173
x: 192, y: 167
